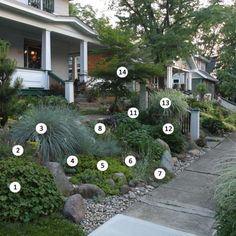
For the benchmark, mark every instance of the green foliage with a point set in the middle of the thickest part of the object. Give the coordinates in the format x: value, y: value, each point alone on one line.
x: 178, y: 106
x: 225, y: 196
x: 214, y: 125
x: 201, y: 90
x: 54, y: 225
x: 201, y: 142
x: 38, y: 195
x: 5, y: 149
x: 7, y: 91
x: 65, y: 134
x: 87, y: 172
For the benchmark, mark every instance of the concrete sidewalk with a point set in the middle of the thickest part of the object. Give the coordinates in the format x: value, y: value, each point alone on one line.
x: 186, y: 203
x: 122, y: 225
x: 182, y: 207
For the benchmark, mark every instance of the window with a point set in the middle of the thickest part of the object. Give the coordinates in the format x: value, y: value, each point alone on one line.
x: 32, y: 54
x: 45, y: 5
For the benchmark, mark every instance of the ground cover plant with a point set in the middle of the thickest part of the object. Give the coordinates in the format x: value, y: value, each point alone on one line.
x: 225, y: 196
x: 38, y: 196
x: 87, y: 172
x: 53, y: 225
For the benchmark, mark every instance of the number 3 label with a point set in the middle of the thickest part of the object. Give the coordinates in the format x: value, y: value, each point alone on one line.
x: 102, y: 165
x: 41, y: 128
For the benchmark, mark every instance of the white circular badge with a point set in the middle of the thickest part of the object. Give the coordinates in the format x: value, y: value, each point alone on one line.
x: 122, y: 72
x: 159, y: 173
x: 133, y: 112
x: 15, y: 187
x: 165, y: 103
x: 130, y: 161
x: 168, y: 128
x: 100, y: 128
x: 17, y: 150
x: 41, y: 128
x: 102, y: 165
x: 72, y: 161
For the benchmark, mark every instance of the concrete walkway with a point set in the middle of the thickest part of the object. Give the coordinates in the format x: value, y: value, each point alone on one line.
x: 182, y: 207
x: 186, y: 203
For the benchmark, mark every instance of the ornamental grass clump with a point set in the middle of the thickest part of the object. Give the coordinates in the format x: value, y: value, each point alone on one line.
x: 225, y: 196
x: 65, y: 134
x: 178, y: 106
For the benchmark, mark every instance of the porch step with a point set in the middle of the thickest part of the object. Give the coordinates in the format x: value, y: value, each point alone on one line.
x: 35, y: 92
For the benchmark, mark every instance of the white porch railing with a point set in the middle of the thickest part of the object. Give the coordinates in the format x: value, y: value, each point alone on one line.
x: 31, y: 78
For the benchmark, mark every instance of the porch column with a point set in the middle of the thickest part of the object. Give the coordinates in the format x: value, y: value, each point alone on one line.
x: 190, y: 81
x: 74, y: 68
x: 195, y: 124
x: 83, y: 61
x: 169, y: 82
x: 46, y: 50
x: 185, y: 81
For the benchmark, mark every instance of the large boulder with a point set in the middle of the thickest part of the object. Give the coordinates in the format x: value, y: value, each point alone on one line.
x: 167, y: 161
x: 75, y: 208
x: 163, y: 144
x: 124, y: 189
x: 89, y: 191
x: 63, y: 184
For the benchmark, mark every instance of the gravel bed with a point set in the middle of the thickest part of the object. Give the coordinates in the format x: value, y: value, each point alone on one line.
x: 100, y: 212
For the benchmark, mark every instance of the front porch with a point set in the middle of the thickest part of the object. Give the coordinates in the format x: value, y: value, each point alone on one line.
x: 39, y: 51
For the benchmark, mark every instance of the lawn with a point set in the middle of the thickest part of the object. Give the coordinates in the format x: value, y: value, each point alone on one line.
x: 54, y: 225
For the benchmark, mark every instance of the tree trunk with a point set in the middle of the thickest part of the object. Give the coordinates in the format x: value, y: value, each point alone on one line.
x: 143, y: 98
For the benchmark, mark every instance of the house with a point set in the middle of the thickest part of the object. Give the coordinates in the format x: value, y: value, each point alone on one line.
x: 187, y: 74
x: 43, y: 37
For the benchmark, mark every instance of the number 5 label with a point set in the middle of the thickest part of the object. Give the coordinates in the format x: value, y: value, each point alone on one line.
x: 102, y: 165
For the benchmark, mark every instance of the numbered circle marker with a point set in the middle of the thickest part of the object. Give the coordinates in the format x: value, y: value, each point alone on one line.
x: 100, y: 128
x: 15, y: 187
x: 159, y: 173
x: 130, y: 161
x: 41, y: 128
x: 72, y: 161
x: 17, y: 150
x: 165, y: 103
x: 168, y: 128
x: 133, y: 112
x: 102, y: 165
x: 122, y: 72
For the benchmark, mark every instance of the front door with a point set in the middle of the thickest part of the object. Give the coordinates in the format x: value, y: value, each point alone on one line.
x: 32, y: 54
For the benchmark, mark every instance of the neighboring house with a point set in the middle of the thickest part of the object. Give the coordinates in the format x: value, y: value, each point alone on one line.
x: 188, y: 74
x: 43, y: 37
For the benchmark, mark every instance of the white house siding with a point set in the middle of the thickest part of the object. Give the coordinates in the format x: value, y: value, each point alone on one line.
x: 61, y: 7
x: 60, y: 59
x: 23, y: 1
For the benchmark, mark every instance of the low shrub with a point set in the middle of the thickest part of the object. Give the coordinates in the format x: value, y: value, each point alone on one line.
x: 38, y: 195
x: 53, y: 225
x: 201, y: 142
x: 225, y: 196
x: 214, y: 126
x: 87, y: 172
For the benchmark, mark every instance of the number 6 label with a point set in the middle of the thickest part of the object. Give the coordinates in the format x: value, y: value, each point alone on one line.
x: 168, y: 128
x: 130, y: 161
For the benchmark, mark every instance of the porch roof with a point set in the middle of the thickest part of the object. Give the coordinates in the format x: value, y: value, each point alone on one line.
x: 41, y: 16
